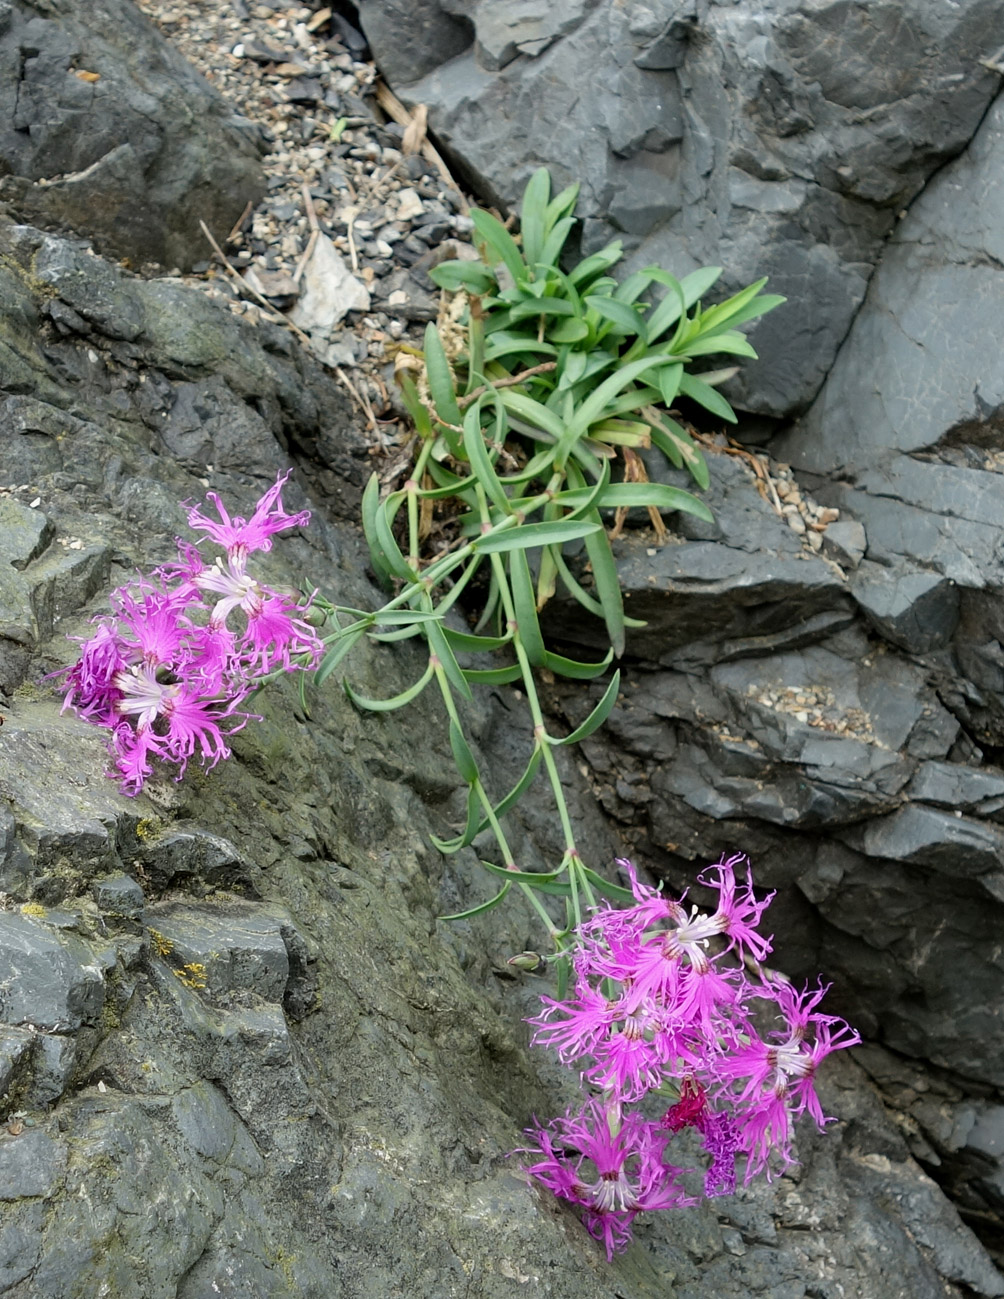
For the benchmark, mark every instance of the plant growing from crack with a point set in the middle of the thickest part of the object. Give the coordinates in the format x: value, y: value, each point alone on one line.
x: 558, y: 377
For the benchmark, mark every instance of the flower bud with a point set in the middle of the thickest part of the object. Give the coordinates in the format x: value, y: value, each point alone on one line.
x: 529, y: 962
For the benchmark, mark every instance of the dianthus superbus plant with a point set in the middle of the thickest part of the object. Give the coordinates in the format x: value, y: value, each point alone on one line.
x: 528, y: 420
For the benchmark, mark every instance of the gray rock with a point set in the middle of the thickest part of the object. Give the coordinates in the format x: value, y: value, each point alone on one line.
x: 49, y: 982
x: 257, y: 1138
x: 119, y: 895
x: 768, y: 139
x: 232, y: 948
x: 160, y: 151
x: 845, y: 542
x: 915, y: 610
x: 31, y: 1164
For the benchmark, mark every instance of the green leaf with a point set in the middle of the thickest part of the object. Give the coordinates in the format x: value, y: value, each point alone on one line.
x: 470, y: 831
x: 577, y: 671
x: 553, y: 244
x: 593, y: 408
x: 696, y: 284
x: 607, y: 582
x: 370, y: 507
x: 669, y: 383
x: 533, y: 214
x: 706, y: 396
x: 561, y: 205
x: 588, y: 269
x: 485, y: 906
x: 614, y: 891
x: 723, y: 313
x: 389, y: 705
x: 568, y: 331
x: 440, y: 647
x: 419, y: 415
x: 676, y: 444
x: 525, y: 606
x: 532, y: 412
x: 526, y: 535
x: 598, y: 716
x: 544, y: 881
x: 662, y: 496
x: 520, y: 787
x: 756, y: 308
x: 440, y: 379
x: 533, y: 878
x: 467, y: 642
x: 471, y: 276
x: 620, y: 314
x: 542, y: 307
x: 669, y: 310
x: 477, y: 454
x: 584, y: 598
x: 462, y: 755
x: 728, y: 341
x: 335, y: 655
x: 499, y: 241
x: 383, y: 528
x: 493, y: 676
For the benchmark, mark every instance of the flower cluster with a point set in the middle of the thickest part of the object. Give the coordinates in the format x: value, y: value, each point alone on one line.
x: 665, y: 1003
x: 167, y: 671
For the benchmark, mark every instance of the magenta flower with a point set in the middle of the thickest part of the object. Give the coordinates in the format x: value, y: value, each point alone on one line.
x: 609, y: 1163
x: 240, y: 536
x: 662, y: 998
x: 164, y: 671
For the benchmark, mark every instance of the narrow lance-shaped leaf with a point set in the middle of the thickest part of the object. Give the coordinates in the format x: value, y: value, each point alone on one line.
x: 440, y: 379
x: 462, y: 755
x: 490, y: 231
x: 440, y: 647
x: 397, y: 701
x: 525, y: 605
x: 484, y: 906
x: 470, y: 831
x: 706, y: 396
x: 597, y: 717
x: 533, y: 214
x: 537, y: 534
x: 335, y: 655
x: 477, y: 454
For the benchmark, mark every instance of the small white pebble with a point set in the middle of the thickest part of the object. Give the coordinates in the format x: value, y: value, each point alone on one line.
x: 33, y: 505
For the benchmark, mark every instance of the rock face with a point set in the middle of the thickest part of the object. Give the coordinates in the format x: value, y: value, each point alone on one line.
x: 778, y: 139
x: 238, y: 1054
x: 107, y: 132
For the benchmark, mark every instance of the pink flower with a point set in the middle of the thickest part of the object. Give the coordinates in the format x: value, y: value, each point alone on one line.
x: 166, y: 674
x: 609, y: 1163
x: 242, y: 536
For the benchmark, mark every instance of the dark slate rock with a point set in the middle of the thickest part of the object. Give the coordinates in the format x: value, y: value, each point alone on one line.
x: 767, y: 139
x: 232, y: 1144
x: 915, y: 610
x: 434, y: 34
x: 53, y: 983
x: 949, y: 784
x: 119, y: 895
x: 132, y: 157
x: 845, y: 542
x: 236, y: 948
x: 31, y: 1164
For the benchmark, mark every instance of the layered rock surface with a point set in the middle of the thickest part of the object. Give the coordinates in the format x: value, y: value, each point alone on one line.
x: 778, y: 139
x: 107, y: 132
x: 239, y: 1054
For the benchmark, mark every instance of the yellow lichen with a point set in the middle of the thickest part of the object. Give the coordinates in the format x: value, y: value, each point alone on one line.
x: 34, y: 909
x: 147, y: 828
x: 163, y: 945
x: 192, y: 975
